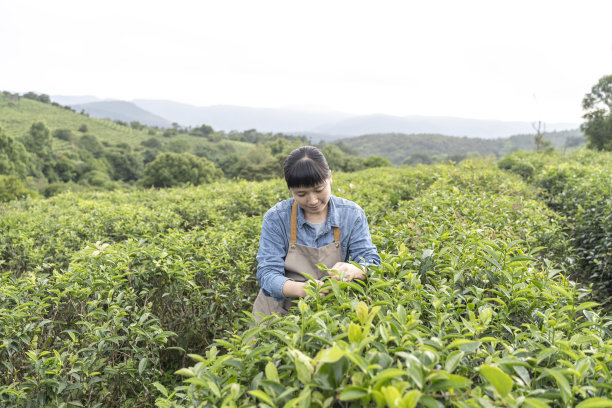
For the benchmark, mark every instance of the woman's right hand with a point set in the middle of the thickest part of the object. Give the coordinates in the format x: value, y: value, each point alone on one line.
x: 293, y: 289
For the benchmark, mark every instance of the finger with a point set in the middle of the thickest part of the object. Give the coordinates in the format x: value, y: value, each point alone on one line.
x: 333, y: 274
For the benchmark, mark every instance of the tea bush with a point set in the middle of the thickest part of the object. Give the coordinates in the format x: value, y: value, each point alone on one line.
x: 465, y: 310
x: 580, y: 187
x: 104, y: 296
x: 103, y: 293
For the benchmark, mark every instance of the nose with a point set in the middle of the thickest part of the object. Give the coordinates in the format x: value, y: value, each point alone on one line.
x: 312, y: 198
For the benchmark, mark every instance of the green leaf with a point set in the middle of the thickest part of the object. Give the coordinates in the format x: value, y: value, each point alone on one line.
x: 272, y: 372
x: 387, y: 374
x: 330, y: 355
x: 142, y: 365
x: 392, y: 396
x: 536, y: 403
x: 262, y: 396
x: 500, y: 380
x: 161, y: 389
x: 410, y: 399
x: 361, y: 309
x: 353, y: 393
x: 520, y: 258
x: 595, y: 403
x: 564, y: 386
x: 485, y: 315
x: 354, y: 333
x: 586, y: 305
x: 185, y: 372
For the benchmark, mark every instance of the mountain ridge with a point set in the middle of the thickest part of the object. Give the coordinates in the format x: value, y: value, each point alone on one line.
x: 319, y: 125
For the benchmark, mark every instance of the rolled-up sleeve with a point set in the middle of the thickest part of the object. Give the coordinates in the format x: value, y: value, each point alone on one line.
x: 360, y: 247
x: 271, y: 256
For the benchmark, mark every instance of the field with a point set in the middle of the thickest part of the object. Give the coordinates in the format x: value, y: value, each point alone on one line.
x: 142, y: 298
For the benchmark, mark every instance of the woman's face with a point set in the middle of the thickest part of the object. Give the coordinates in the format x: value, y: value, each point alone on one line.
x: 313, y: 200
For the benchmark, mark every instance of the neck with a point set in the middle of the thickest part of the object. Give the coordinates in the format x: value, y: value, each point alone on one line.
x: 317, y: 218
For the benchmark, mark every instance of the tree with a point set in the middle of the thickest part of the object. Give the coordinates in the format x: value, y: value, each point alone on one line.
x: 598, y: 107
x: 540, y: 144
x: 12, y: 188
x: 63, y: 134
x: 376, y: 161
x: 175, y: 169
x: 125, y: 166
x: 13, y: 156
x: 38, y: 140
x: 258, y: 164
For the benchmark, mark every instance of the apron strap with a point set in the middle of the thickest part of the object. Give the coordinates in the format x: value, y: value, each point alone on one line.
x: 293, y: 237
x: 294, y: 223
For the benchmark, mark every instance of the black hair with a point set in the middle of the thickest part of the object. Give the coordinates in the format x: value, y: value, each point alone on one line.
x: 306, y: 167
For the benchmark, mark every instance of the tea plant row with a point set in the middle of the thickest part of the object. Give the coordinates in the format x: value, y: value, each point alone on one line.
x: 578, y: 186
x: 468, y: 309
x: 103, y: 294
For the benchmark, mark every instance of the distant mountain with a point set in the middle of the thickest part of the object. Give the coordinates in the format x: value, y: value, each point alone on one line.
x: 316, y: 124
x: 74, y: 100
x: 240, y: 118
x: 333, y: 125
x: 121, y: 110
x: 486, y: 129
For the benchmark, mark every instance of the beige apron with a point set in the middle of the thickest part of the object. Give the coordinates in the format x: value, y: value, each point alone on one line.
x: 299, y: 259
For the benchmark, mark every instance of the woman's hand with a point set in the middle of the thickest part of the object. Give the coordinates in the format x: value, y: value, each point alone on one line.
x: 346, y: 270
x: 293, y: 289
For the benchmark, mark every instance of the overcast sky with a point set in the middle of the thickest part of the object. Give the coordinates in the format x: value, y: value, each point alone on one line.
x: 508, y: 60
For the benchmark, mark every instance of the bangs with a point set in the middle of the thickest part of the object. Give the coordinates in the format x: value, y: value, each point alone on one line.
x: 306, y: 173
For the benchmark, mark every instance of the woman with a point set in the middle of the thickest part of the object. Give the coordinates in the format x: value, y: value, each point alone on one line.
x: 312, y: 227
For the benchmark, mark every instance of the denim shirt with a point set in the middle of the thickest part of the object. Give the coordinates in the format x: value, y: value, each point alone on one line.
x: 274, y: 240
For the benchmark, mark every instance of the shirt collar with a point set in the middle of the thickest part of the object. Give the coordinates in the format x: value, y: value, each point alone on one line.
x: 332, y: 215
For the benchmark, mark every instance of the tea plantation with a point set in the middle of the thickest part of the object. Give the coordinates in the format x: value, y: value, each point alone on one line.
x: 142, y: 299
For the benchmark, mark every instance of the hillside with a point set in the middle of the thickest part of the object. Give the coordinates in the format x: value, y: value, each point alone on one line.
x: 320, y: 124
x: 400, y: 148
x: 16, y: 117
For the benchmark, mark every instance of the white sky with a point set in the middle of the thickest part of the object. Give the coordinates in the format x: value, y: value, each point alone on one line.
x: 509, y: 60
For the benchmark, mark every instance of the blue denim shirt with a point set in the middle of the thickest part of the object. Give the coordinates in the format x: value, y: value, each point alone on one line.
x: 274, y: 240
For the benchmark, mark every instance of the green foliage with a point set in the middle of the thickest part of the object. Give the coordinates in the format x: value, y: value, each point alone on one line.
x: 12, y: 188
x: 103, y: 296
x: 174, y: 169
x: 462, y: 312
x: 598, y: 107
x: 125, y: 166
x: 63, y: 134
x: 376, y: 161
x: 13, y: 156
x: 38, y: 140
x: 258, y: 164
x: 580, y: 187
x: 339, y: 161
x: 428, y: 148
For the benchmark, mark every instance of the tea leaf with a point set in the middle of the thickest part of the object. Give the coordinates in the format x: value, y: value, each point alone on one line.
x: 500, y: 380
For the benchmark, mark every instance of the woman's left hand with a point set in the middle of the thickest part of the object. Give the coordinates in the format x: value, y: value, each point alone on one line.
x: 346, y: 270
